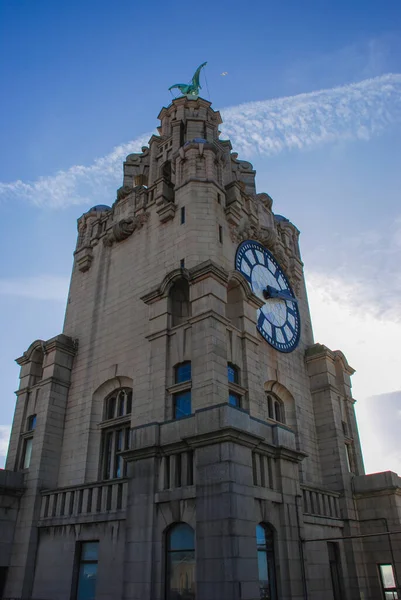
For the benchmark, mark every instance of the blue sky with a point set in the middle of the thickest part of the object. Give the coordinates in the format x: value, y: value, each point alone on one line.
x: 312, y: 97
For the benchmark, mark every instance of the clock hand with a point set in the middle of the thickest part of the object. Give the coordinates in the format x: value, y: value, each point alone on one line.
x: 271, y: 292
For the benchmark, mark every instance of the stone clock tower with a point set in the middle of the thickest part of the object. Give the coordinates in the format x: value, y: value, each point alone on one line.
x: 184, y: 437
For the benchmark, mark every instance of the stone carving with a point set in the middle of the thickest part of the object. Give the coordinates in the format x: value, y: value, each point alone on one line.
x: 123, y: 192
x: 124, y: 228
x: 245, y: 231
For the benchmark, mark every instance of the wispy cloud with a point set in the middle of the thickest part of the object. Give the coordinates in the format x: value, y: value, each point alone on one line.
x: 355, y: 111
x: 41, y: 287
x: 4, y: 439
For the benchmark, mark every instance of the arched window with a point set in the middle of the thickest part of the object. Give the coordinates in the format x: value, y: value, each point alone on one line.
x: 179, y: 302
x: 115, y: 433
x: 37, y: 365
x: 266, y: 562
x: 180, y: 563
x: 275, y: 408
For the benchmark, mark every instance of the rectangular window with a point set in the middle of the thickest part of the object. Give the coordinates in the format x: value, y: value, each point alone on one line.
x: 335, y: 570
x: 183, y: 372
x: 182, y: 263
x: 182, y: 215
x: 348, y: 457
x: 234, y: 399
x: 387, y: 580
x: 182, y: 405
x: 232, y: 373
x: 27, y: 452
x: 87, y: 571
x: 220, y: 234
x: 115, y: 441
x: 219, y: 198
x: 31, y: 423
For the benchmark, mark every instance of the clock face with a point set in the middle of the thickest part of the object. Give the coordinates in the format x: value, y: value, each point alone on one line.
x: 278, y: 320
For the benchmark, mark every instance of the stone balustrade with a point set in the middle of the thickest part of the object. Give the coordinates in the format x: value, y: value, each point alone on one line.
x: 85, y: 500
x: 320, y: 503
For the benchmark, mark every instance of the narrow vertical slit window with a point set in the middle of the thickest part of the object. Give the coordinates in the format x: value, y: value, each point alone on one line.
x: 387, y: 580
x: 266, y: 562
x: 182, y: 215
x: 335, y: 570
x: 220, y: 234
x: 27, y: 453
x: 87, y: 572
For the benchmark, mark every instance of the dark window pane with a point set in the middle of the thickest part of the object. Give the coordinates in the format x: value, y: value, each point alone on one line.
x: 232, y: 373
x: 107, y: 455
x: 182, y: 405
x: 270, y: 407
x: 234, y: 399
x: 183, y: 372
x: 121, y: 403
x: 89, y: 551
x: 87, y: 581
x: 31, y: 422
x: 111, y: 408
x: 181, y: 537
x: 129, y: 403
x: 277, y: 411
x: 27, y: 453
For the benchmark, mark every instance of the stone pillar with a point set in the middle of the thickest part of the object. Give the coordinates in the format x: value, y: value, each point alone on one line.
x: 226, y: 559
x: 50, y: 394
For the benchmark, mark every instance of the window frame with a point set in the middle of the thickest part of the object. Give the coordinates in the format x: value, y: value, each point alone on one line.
x: 274, y: 403
x: 25, y: 441
x: 387, y: 590
x: 115, y: 432
x: 31, y: 422
x: 270, y: 553
x: 168, y: 552
x: 79, y: 561
x: 235, y: 390
x: 181, y: 387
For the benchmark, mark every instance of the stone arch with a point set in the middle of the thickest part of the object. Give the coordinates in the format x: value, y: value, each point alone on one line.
x: 35, y: 355
x: 238, y: 292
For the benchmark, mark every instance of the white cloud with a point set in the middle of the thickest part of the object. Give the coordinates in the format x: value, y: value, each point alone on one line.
x: 355, y: 111
x: 4, y: 439
x: 370, y: 341
x: 41, y: 287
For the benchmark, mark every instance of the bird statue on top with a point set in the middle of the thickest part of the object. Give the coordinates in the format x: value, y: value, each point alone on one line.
x: 190, y: 89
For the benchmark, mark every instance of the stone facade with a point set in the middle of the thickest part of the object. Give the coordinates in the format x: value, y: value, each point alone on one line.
x: 98, y: 453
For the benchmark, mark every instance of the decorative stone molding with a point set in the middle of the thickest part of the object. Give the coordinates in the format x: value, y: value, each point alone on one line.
x: 124, y: 228
x: 166, y: 211
x: 84, y: 257
x: 245, y: 231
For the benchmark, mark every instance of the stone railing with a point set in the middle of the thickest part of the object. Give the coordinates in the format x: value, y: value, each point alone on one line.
x: 85, y: 500
x: 320, y: 503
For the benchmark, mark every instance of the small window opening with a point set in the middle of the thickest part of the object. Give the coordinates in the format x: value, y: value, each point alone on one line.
x: 182, y: 215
